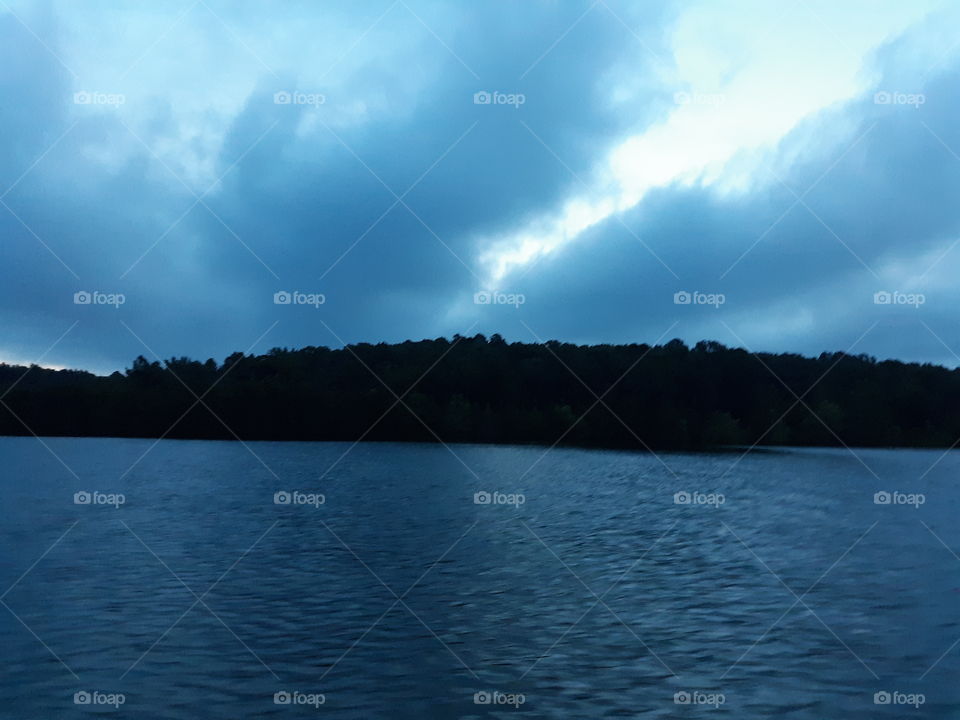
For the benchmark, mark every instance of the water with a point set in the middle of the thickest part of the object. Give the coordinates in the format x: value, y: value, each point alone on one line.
x: 401, y: 597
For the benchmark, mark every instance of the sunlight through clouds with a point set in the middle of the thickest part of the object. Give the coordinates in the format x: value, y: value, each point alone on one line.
x: 346, y: 149
x: 733, y: 96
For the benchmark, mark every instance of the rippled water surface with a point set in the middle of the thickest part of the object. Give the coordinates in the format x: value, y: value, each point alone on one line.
x: 401, y: 596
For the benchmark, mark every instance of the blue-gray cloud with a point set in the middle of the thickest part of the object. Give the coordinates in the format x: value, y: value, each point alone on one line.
x: 305, y: 196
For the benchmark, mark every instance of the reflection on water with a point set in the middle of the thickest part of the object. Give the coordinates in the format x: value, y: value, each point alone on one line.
x: 217, y: 581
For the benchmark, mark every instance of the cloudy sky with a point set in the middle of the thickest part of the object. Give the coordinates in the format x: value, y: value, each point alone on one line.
x: 782, y: 176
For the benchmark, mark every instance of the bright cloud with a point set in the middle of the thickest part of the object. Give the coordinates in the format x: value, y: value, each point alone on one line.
x: 734, y: 89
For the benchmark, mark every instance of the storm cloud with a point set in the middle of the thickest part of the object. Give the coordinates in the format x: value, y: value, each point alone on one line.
x: 783, y: 180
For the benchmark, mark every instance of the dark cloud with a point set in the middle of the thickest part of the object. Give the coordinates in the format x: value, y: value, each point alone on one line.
x: 877, y: 217
x: 305, y: 196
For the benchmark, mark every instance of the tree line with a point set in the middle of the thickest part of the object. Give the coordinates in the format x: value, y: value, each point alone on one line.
x: 475, y: 389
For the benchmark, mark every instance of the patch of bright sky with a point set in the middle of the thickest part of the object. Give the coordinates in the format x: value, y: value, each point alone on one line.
x: 741, y: 78
x: 7, y: 358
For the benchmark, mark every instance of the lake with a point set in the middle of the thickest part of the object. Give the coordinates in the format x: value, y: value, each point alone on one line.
x: 187, y: 579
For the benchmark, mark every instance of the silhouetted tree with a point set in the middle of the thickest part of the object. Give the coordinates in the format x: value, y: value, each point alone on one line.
x: 668, y: 396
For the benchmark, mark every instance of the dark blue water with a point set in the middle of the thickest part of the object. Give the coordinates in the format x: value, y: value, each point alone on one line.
x: 400, y: 596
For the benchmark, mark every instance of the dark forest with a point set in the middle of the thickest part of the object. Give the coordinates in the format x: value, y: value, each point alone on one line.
x: 474, y: 389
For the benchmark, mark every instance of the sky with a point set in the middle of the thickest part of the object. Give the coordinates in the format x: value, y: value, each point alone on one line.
x: 199, y: 177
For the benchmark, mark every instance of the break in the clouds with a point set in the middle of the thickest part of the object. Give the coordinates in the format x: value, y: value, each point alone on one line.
x: 205, y: 176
